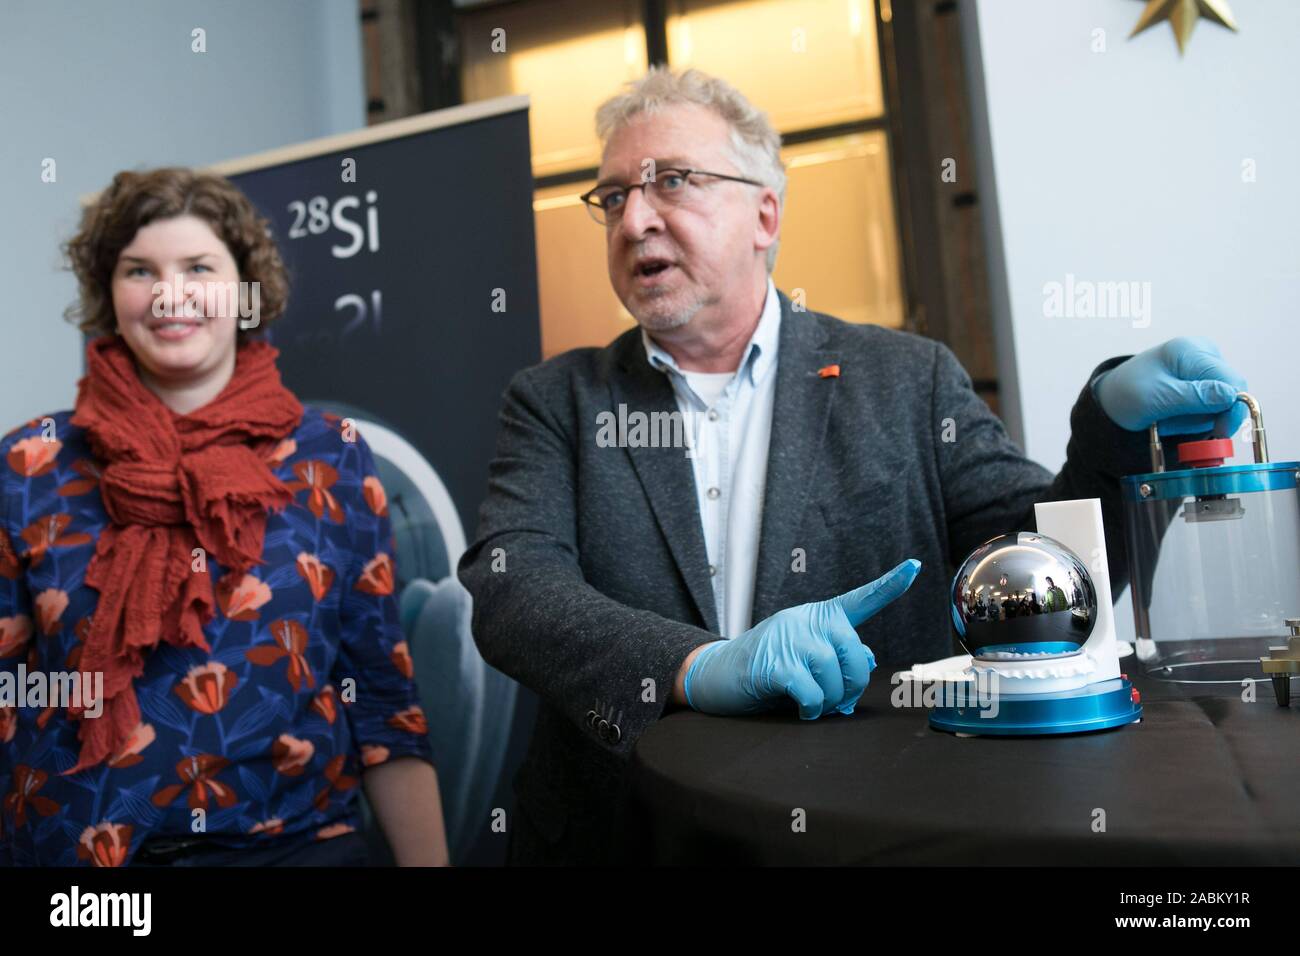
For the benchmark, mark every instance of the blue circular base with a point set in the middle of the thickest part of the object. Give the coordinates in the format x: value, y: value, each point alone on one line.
x: 1098, y: 706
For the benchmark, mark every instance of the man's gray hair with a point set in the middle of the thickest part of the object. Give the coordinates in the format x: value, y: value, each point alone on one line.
x: 755, y: 144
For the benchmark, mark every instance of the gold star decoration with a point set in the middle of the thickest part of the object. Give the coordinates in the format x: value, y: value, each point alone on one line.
x: 1182, y: 16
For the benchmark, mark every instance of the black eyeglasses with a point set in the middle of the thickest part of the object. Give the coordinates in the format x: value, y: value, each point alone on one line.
x: 667, y: 189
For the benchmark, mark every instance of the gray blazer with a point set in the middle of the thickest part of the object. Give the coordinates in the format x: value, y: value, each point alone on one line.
x: 589, y: 574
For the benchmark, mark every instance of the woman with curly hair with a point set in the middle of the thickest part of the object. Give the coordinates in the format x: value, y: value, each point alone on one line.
x: 216, y: 557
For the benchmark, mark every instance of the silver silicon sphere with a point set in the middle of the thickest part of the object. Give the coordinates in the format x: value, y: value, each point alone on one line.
x: 1023, y: 593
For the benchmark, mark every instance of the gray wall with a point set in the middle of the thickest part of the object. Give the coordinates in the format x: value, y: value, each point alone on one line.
x: 1126, y: 165
x: 105, y: 85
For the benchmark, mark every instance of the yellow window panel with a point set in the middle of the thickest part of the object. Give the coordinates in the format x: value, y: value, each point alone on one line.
x: 578, y: 304
x: 808, y: 63
x: 568, y: 56
x: 839, y: 239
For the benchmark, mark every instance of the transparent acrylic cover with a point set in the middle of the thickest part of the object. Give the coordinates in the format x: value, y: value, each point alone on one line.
x: 1214, y: 564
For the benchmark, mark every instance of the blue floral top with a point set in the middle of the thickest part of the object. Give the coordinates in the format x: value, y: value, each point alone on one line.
x: 308, y: 679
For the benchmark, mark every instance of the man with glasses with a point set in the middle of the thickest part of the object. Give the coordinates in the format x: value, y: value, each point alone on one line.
x: 620, y: 573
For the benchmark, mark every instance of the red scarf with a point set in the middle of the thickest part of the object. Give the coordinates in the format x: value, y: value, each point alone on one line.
x: 170, y: 483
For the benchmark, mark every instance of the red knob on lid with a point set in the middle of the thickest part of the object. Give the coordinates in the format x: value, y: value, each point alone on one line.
x: 1205, y: 454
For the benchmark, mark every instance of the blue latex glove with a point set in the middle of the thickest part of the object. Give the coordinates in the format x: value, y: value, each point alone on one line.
x: 810, y: 653
x: 1183, y: 384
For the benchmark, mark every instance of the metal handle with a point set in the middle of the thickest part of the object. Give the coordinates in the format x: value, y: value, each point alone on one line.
x: 1256, y: 427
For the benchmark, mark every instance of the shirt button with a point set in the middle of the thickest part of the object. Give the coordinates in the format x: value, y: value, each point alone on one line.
x: 713, y: 493
x: 712, y: 570
x: 713, y: 414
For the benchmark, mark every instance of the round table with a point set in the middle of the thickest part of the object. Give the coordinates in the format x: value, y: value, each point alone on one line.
x: 1205, y: 778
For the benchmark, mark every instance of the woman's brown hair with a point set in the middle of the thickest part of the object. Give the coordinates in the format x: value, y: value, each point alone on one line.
x: 135, y: 199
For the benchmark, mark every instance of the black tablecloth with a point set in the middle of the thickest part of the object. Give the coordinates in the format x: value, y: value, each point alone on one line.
x: 1205, y: 778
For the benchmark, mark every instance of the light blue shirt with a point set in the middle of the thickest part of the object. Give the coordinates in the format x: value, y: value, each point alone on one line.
x: 729, y: 415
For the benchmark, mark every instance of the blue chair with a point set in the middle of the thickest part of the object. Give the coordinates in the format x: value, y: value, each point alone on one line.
x: 470, y: 709
x: 478, y: 718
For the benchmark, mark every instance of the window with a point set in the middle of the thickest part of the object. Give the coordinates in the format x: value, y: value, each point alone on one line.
x: 812, y: 65
x: 567, y: 55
